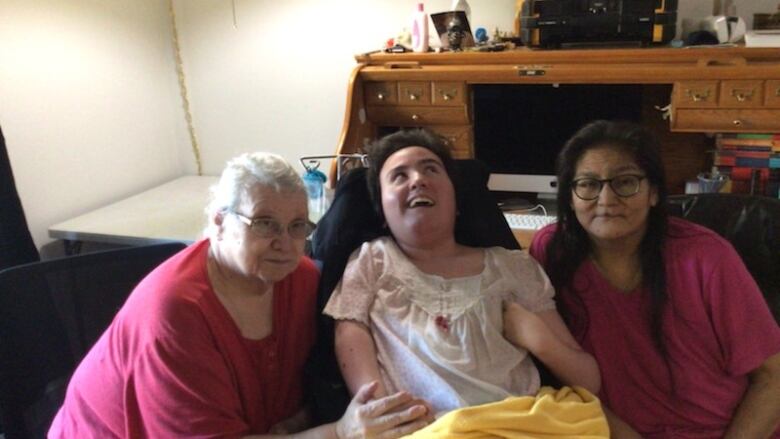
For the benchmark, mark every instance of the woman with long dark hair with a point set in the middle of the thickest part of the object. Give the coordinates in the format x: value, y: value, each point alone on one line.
x: 686, y: 344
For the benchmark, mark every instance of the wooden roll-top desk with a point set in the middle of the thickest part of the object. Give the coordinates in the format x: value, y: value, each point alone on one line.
x: 688, y: 94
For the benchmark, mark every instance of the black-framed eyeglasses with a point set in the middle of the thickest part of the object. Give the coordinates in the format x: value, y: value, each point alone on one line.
x: 625, y: 185
x: 266, y: 227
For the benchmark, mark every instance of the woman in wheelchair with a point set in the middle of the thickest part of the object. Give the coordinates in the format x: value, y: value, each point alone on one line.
x: 453, y: 325
x: 686, y: 344
x: 212, y: 343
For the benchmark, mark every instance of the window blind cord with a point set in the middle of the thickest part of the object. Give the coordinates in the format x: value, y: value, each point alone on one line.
x: 183, y: 91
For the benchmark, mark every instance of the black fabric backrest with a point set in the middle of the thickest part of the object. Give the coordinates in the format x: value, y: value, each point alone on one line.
x: 51, y: 313
x: 16, y: 244
x: 752, y: 225
x: 351, y: 221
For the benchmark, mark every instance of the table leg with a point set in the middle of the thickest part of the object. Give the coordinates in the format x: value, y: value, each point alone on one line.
x: 72, y: 247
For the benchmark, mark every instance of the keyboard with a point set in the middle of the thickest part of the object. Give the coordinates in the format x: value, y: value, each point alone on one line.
x: 528, y: 221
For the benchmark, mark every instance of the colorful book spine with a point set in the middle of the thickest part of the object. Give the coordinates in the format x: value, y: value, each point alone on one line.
x: 742, y: 173
x: 750, y: 160
x: 761, y: 143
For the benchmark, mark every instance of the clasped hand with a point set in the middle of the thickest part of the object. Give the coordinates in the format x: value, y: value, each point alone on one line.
x: 389, y: 417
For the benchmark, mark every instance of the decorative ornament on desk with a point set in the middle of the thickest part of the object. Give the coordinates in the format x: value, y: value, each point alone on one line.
x: 765, y: 21
x: 453, y: 30
x: 404, y: 38
x: 481, y: 35
x: 455, y: 34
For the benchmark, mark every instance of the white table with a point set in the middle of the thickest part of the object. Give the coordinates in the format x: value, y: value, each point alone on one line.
x: 172, y: 212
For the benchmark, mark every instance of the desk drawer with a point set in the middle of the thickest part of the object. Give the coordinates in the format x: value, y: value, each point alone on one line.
x: 696, y: 94
x: 381, y: 93
x: 407, y: 116
x: 716, y: 120
x: 448, y: 93
x: 414, y: 93
x: 741, y: 94
x: 772, y: 94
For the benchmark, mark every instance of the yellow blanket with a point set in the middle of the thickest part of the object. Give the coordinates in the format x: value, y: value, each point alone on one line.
x: 564, y: 413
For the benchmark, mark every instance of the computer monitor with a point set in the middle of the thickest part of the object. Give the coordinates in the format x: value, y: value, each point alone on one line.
x: 519, y: 129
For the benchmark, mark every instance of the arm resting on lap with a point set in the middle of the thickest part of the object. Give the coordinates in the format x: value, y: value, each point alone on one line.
x: 758, y: 415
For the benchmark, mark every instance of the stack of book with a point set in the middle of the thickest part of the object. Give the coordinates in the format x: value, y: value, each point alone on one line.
x: 751, y: 161
x: 763, y: 38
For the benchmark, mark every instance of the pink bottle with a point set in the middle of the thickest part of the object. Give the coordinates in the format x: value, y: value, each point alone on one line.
x: 420, y: 30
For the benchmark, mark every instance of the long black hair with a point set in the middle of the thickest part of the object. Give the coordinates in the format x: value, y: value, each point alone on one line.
x: 570, y: 244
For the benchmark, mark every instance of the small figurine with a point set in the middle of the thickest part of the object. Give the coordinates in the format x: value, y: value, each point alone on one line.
x: 455, y: 34
x: 404, y: 38
x: 496, y: 35
x: 481, y: 35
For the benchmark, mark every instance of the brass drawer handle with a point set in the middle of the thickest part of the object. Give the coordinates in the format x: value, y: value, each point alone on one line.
x: 415, y: 117
x: 697, y: 96
x: 413, y: 97
x: 448, y: 95
x: 737, y: 122
x: 381, y: 96
x: 742, y: 95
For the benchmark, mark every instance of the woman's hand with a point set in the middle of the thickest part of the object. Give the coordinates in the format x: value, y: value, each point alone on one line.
x: 523, y: 328
x: 429, y: 417
x: 295, y: 423
x: 388, y: 417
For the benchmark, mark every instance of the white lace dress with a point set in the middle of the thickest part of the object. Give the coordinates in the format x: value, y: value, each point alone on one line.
x: 441, y: 339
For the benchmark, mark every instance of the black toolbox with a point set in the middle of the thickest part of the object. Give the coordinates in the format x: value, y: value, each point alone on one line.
x: 561, y: 23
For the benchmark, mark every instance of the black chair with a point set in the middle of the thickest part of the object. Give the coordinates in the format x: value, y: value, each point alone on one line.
x: 16, y: 244
x: 751, y: 223
x: 51, y: 313
x: 351, y: 221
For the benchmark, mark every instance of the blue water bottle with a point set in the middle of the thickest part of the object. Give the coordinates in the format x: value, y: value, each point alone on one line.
x: 314, y: 180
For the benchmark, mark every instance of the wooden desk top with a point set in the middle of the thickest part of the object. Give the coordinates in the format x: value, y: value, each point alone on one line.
x: 660, y: 54
x: 172, y: 212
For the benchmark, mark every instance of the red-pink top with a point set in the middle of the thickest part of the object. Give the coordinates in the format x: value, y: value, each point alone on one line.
x: 717, y: 330
x: 174, y: 364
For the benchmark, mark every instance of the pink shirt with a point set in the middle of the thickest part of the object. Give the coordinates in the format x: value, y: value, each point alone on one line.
x: 174, y: 364
x: 718, y: 329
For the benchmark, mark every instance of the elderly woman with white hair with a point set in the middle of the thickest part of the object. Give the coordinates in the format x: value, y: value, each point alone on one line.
x: 212, y: 343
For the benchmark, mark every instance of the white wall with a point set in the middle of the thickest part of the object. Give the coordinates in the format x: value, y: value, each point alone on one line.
x: 88, y: 103
x: 278, y: 80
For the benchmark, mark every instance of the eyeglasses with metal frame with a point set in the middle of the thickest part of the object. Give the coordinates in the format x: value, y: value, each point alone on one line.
x: 588, y: 188
x: 266, y: 227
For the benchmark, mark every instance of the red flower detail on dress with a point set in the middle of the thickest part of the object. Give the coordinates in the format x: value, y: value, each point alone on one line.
x: 443, y: 323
